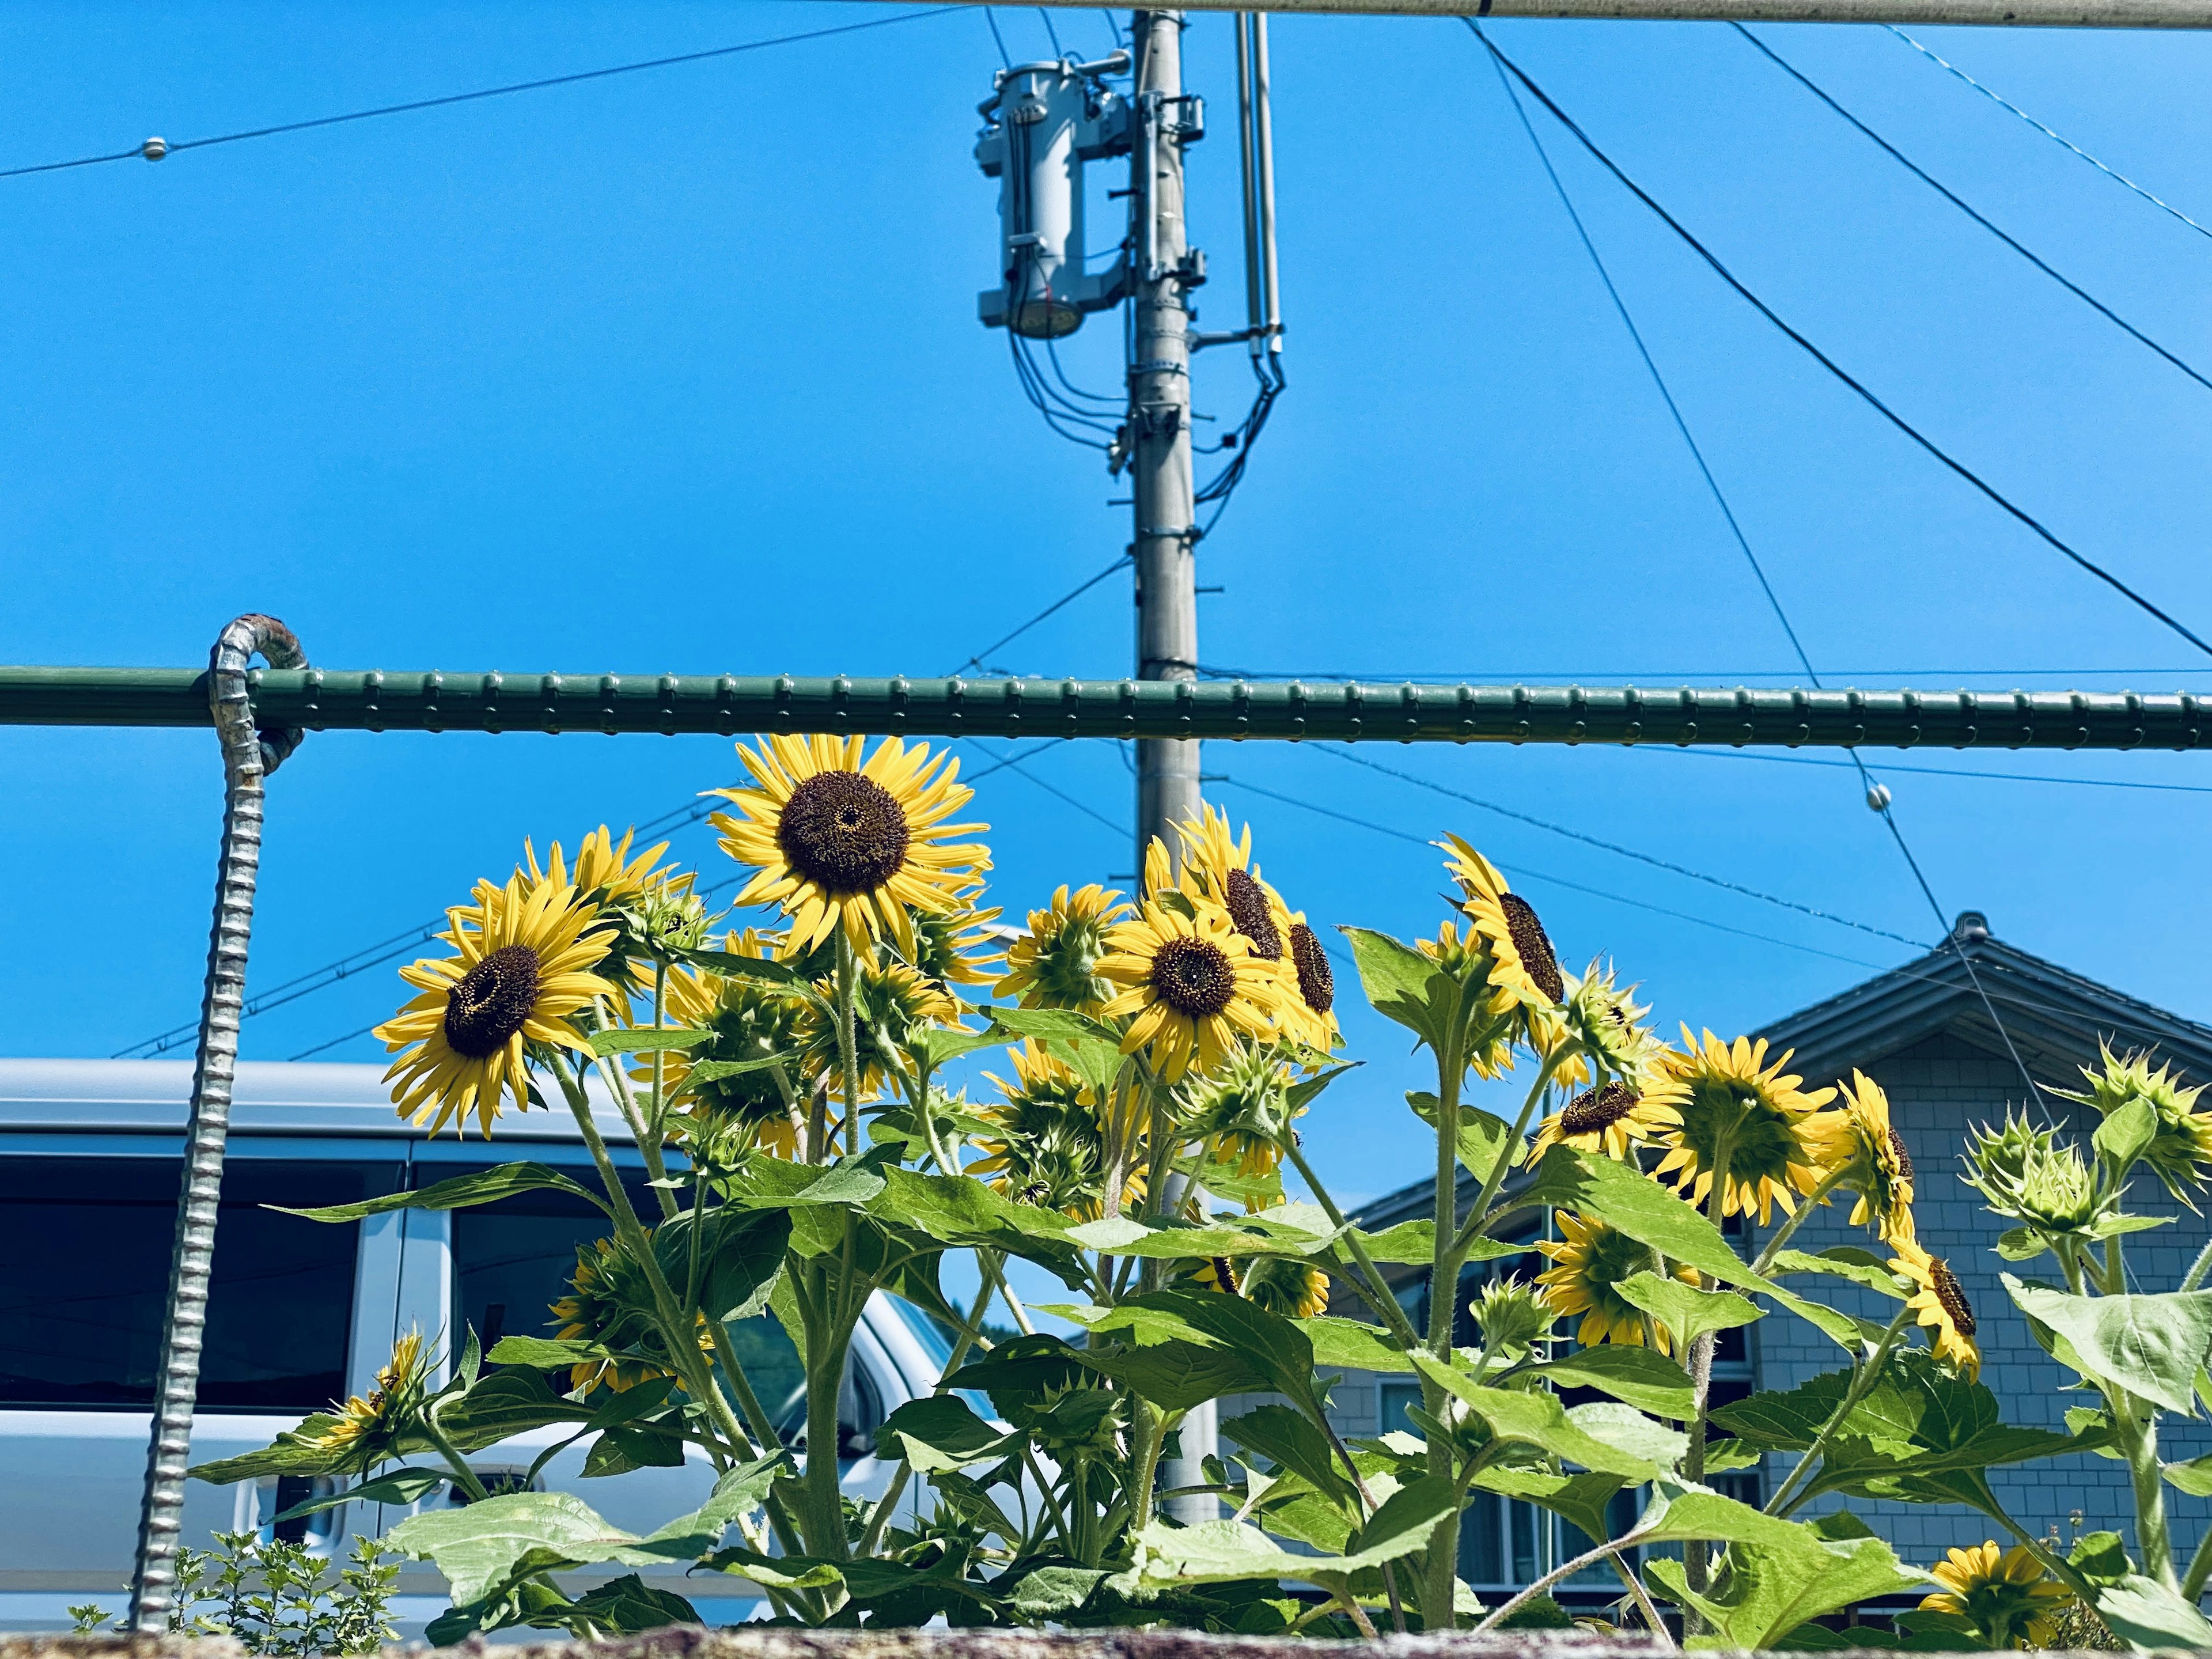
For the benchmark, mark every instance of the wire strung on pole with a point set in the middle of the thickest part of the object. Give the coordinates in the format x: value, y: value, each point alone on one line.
x: 1958, y: 202
x: 2066, y: 144
x: 1865, y: 394
x: 154, y: 149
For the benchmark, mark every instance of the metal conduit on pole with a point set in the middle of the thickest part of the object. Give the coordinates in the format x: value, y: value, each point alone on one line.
x: 248, y: 755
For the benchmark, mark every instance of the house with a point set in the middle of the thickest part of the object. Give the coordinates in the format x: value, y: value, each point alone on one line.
x: 1954, y: 1038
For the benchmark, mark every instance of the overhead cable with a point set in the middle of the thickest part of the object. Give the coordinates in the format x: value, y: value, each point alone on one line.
x: 1829, y: 363
x: 154, y: 149
x: 1072, y: 594
x: 1956, y: 201
x: 1926, y: 771
x: 1344, y: 753
x: 2068, y: 143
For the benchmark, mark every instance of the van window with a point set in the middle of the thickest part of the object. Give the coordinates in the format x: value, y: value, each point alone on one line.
x: 512, y: 1260
x: 85, y: 1245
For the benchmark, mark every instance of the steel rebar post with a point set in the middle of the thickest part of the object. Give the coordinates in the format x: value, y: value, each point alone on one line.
x: 248, y: 755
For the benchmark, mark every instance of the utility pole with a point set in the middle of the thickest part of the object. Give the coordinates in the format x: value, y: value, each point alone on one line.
x: 1164, y: 544
x: 1165, y: 540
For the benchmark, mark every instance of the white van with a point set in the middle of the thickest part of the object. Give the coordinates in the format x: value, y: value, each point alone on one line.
x: 301, y: 1314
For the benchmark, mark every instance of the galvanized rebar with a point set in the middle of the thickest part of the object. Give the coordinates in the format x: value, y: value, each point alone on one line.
x: 248, y: 755
x: 357, y: 700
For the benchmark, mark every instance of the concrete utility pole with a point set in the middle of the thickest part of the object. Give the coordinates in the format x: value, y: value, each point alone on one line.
x: 1164, y: 543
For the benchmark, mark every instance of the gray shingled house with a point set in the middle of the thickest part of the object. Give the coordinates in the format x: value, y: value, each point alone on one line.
x: 1925, y: 1032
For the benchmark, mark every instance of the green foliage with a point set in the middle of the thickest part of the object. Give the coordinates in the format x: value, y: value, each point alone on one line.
x: 276, y: 1597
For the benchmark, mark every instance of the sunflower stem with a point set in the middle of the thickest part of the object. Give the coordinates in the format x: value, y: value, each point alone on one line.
x: 1377, y: 1293
x: 460, y: 1464
x: 1479, y: 1217
x: 1792, y: 1222
x: 970, y: 1334
x: 849, y: 1046
x: 2138, y: 1435
x: 1695, y: 1554
x: 1868, y: 1373
x: 1441, y: 1563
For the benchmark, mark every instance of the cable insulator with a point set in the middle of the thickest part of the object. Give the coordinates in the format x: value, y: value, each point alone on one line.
x: 1878, y: 797
x: 154, y: 149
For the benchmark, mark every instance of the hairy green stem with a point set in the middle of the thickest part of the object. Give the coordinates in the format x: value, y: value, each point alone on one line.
x: 1790, y: 1223
x: 1377, y: 1290
x: 1867, y: 1376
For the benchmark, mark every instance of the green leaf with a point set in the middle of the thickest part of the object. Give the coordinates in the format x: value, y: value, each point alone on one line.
x: 479, y: 1187
x: 1062, y: 1026
x: 940, y: 1047
x: 778, y: 1572
x: 1298, y: 1229
x: 1354, y: 1346
x: 1408, y: 1243
x: 504, y: 1403
x: 546, y: 1353
x: 741, y: 1250
x: 962, y: 1212
x: 2150, y: 1346
x: 2145, y: 1615
x: 483, y: 1548
x: 619, y: 1450
x: 647, y: 1038
x: 733, y: 965
x: 2126, y: 1135
x: 1219, y: 1551
x: 1845, y: 1261
x: 940, y: 1433
x: 2112, y: 1226
x: 393, y: 1486
x: 1046, y: 1593
x: 1482, y: 1136
x: 627, y: 1605
x: 1679, y: 1513
x: 1646, y: 1380
x: 1280, y: 1433
x: 1685, y: 1309
x: 1627, y: 1430
x: 772, y: 1183
x: 1634, y: 1204
x: 1276, y: 1348
x: 1540, y: 1421
x: 714, y: 1071
x: 630, y: 1404
x: 2194, y: 1477
x: 2020, y: 1244
x: 1403, y: 985
x: 1582, y: 1499
x: 1778, y: 1583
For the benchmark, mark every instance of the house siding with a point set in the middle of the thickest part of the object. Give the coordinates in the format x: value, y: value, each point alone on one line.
x: 1938, y: 1089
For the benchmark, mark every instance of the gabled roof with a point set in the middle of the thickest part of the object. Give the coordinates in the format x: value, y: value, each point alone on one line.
x: 2055, y: 1018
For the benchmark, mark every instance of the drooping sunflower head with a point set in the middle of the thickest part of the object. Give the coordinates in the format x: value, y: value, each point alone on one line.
x: 1240, y: 1110
x: 2181, y: 1151
x: 843, y: 843
x: 609, y: 1303
x: 1611, y: 1119
x: 1859, y: 1140
x: 2001, y: 1596
x: 1941, y: 1304
x: 1217, y: 866
x: 1465, y: 956
x: 1055, y: 964
x: 893, y: 1004
x: 1588, y: 1261
x: 372, y: 1430
x: 1316, y: 981
x: 1734, y: 1112
x: 1602, y: 1023
x: 1282, y: 1286
x: 1525, y: 971
x: 522, y: 967
x: 1045, y: 1146
x: 1189, y: 987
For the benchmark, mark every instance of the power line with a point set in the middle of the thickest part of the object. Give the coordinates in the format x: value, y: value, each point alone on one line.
x: 149, y: 151
x: 1829, y: 363
x: 1415, y: 779
x: 1617, y: 676
x: 1956, y: 201
x: 2117, y: 177
x: 1925, y: 771
x: 1072, y: 594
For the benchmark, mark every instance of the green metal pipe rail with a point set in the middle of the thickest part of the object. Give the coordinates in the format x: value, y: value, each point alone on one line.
x: 373, y: 700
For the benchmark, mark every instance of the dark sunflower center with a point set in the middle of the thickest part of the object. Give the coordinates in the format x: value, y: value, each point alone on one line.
x: 843, y: 832
x: 1595, y: 1109
x: 1317, y: 982
x: 1193, y: 977
x: 492, y: 1000
x: 1904, y: 1159
x: 1952, y: 1295
x: 1224, y: 1274
x: 1247, y: 909
x: 1536, y: 948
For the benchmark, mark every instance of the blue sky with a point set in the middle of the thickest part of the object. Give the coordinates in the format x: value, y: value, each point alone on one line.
x: 679, y: 371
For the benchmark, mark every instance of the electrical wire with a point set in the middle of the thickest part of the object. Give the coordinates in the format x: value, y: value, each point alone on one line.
x: 1923, y: 771
x: 1618, y: 676
x: 1058, y: 51
x: 1956, y: 201
x: 1344, y: 753
x: 1068, y: 598
x: 1829, y: 363
x: 176, y: 147
x: 2068, y: 143
x: 991, y: 16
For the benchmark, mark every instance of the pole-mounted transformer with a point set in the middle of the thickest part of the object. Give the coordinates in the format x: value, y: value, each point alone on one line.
x: 1042, y: 122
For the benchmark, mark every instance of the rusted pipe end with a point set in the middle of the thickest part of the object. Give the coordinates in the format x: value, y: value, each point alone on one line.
x: 234, y: 650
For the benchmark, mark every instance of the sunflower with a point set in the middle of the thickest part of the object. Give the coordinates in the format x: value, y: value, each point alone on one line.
x: 1942, y: 1306
x: 958, y: 946
x: 2001, y: 1596
x: 1315, y: 981
x: 1191, y: 984
x: 1240, y: 1110
x: 840, y: 843
x: 1055, y: 963
x: 750, y: 1019
x: 1586, y: 1264
x: 1609, y: 1120
x: 369, y: 1432
x: 2181, y: 1148
x: 1278, y: 1285
x: 1732, y: 1109
x: 1605, y: 1023
x: 1045, y: 1147
x: 517, y: 976
x: 1525, y: 971
x: 1465, y: 958
x: 1860, y: 1140
x: 891, y: 1004
x: 609, y: 1304
x: 1218, y: 867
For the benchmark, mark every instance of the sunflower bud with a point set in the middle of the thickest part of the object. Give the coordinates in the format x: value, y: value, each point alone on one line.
x: 1511, y: 1314
x: 2027, y: 1175
x: 2180, y: 1150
